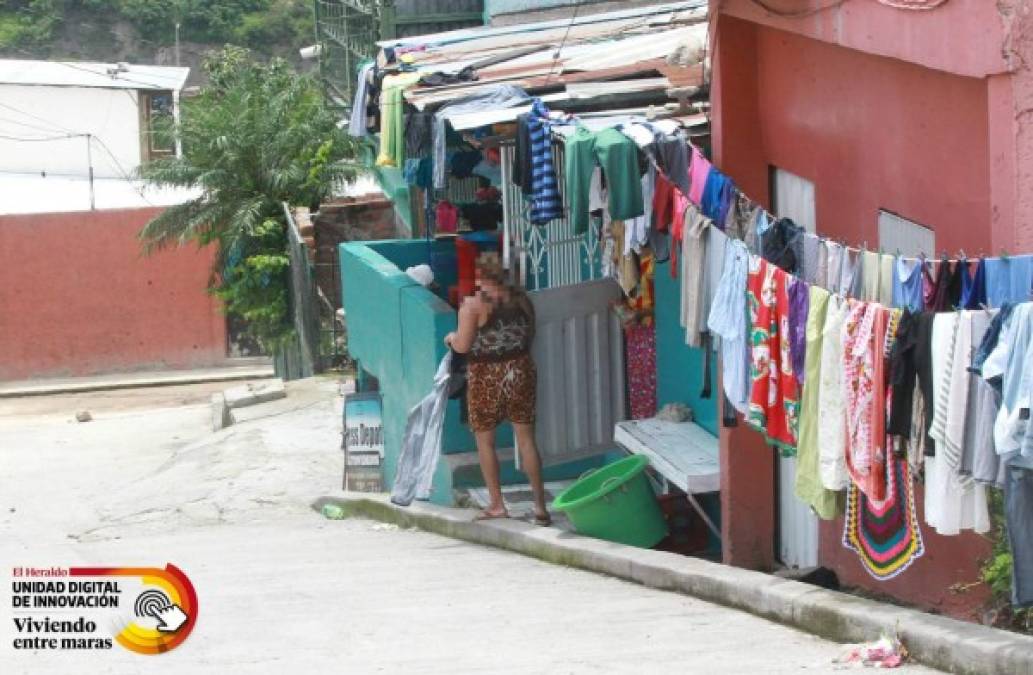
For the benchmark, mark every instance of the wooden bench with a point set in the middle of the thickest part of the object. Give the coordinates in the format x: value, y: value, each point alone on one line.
x: 683, y: 453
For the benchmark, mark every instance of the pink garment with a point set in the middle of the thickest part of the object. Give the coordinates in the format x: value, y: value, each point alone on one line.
x: 698, y: 173
x: 864, y: 360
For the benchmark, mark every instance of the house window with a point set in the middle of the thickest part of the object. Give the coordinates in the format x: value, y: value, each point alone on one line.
x: 906, y: 236
x: 156, y: 125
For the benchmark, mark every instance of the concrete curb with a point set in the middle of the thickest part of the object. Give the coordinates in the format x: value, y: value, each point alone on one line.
x: 947, y: 644
x: 131, y: 383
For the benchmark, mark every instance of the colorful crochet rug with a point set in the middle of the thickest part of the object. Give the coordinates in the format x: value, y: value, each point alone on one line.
x: 886, y: 536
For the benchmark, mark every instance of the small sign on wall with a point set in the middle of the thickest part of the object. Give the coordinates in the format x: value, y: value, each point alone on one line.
x: 363, y: 442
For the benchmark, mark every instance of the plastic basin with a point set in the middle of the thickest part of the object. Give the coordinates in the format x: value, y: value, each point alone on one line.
x: 616, y: 503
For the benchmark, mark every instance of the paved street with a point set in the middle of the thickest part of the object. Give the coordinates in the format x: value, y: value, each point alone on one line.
x: 282, y: 588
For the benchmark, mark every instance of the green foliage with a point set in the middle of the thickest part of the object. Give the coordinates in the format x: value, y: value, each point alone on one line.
x: 256, y: 136
x: 262, y: 25
x: 254, y: 285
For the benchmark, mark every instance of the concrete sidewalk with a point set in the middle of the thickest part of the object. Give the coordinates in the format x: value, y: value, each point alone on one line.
x: 947, y: 644
x: 246, y: 369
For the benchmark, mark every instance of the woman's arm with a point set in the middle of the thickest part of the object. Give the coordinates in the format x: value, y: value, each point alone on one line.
x: 469, y: 316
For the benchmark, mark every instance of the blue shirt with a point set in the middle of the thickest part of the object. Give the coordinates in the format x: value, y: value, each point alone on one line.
x: 973, y: 286
x: 907, y: 285
x: 728, y: 321
x: 1009, y: 279
x: 1010, y: 360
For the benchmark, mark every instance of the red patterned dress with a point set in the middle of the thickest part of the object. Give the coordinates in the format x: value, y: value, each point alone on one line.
x: 774, y: 407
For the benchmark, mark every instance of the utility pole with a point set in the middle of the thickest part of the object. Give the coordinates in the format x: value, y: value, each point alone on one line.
x: 89, y: 160
x: 177, y: 43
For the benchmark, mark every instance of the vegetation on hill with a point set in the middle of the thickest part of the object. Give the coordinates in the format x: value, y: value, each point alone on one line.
x: 91, y: 29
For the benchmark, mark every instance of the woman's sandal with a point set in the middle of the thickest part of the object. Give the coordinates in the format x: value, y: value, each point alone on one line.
x: 488, y: 515
x: 543, y: 519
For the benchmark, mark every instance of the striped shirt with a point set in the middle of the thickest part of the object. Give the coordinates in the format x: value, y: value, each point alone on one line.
x: 545, y: 201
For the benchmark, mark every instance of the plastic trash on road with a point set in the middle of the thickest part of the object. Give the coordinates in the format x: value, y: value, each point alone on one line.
x: 333, y: 512
x: 886, y: 652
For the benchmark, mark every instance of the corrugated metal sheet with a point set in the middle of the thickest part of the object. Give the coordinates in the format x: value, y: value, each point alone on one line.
x: 579, y: 352
x: 797, y: 524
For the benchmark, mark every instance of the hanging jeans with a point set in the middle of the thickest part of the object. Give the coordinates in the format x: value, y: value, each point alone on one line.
x: 421, y: 446
x: 1018, y: 510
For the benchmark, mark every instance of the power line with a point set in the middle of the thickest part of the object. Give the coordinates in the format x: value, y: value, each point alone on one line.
x: 38, y: 139
x: 37, y: 118
x: 117, y: 76
x: 563, y: 43
x: 121, y: 169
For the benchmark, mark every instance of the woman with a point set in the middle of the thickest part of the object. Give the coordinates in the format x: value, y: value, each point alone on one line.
x: 496, y: 326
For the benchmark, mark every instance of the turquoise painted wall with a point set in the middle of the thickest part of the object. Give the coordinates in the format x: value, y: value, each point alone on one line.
x: 679, y: 368
x: 396, y: 330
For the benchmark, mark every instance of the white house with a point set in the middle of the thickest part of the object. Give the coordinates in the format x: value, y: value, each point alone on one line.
x: 60, y: 118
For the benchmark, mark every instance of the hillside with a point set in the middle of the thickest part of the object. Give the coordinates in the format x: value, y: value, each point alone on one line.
x: 143, y: 31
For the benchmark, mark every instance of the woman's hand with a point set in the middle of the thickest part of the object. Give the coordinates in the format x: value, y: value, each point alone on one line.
x: 449, y: 338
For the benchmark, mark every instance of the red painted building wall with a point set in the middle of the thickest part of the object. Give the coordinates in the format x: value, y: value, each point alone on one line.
x: 77, y: 297
x: 871, y: 133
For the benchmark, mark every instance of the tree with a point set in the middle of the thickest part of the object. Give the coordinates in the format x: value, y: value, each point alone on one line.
x: 256, y: 136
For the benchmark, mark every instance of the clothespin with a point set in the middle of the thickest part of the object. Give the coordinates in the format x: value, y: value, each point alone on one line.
x: 1004, y: 254
x: 963, y: 256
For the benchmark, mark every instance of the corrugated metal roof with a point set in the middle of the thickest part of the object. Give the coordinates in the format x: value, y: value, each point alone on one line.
x: 466, y: 34
x: 90, y: 74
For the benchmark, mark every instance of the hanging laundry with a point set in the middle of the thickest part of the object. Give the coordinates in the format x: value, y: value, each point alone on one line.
x: 1009, y: 279
x: 886, y: 536
x: 774, y: 393
x: 979, y: 458
x: 717, y: 196
x: 699, y: 170
x: 810, y: 258
x: 849, y: 272
x: 863, y: 339
x: 663, y: 203
x: 948, y: 427
x: 907, y: 284
x: 545, y: 200
x: 887, y: 264
x: 1010, y: 361
x: 870, y: 266
x: 673, y: 153
x: 831, y: 407
x: 357, y: 122
x: 973, y: 286
x: 636, y: 230
x: 418, y: 132
x: 808, y: 485
x: 946, y: 291
x: 782, y: 244
x: 903, y: 371
x: 618, y: 156
x: 728, y: 320
x: 693, y: 267
x: 833, y: 266
x: 392, y: 128
x: 1018, y: 511
x: 950, y: 506
x: 925, y: 364
x: 799, y: 305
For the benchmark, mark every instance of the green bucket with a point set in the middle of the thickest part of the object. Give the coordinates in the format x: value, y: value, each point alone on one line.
x: 616, y: 503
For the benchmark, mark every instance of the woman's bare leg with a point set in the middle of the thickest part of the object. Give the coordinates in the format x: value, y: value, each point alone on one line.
x: 490, y: 470
x: 531, y: 463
